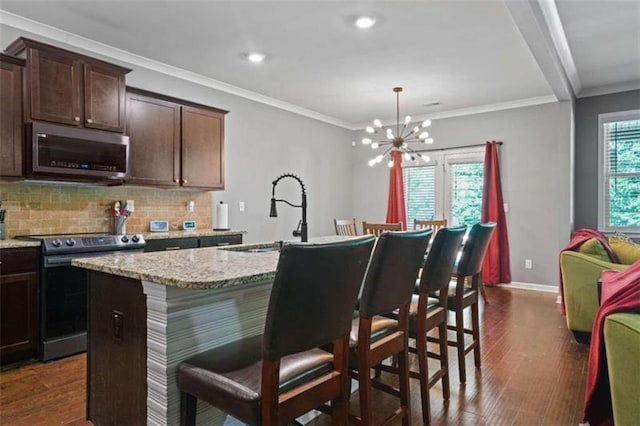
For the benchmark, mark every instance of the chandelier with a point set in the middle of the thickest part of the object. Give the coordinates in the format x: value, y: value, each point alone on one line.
x: 400, y: 140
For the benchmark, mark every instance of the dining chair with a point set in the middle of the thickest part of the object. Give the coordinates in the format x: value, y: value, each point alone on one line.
x: 462, y: 296
x: 378, y: 228
x: 388, y: 286
x: 273, y: 378
x: 345, y: 227
x: 427, y: 313
x: 434, y: 225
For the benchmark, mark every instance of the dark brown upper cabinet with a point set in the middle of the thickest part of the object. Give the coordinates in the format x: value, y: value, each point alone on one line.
x: 202, y: 148
x: 11, y: 116
x: 174, y: 142
x: 68, y: 88
x: 153, y: 126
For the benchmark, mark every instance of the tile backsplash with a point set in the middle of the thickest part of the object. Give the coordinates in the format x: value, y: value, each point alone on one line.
x: 50, y: 208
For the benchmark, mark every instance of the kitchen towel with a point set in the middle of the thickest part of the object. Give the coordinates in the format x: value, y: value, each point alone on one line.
x: 222, y: 217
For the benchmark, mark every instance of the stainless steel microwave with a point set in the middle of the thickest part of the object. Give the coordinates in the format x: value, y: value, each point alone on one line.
x: 68, y: 152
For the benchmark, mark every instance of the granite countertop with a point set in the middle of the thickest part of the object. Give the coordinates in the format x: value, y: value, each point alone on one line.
x: 188, y: 234
x: 13, y: 243
x: 201, y: 268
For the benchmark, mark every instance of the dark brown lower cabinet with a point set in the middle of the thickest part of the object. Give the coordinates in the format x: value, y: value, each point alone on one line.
x: 18, y: 304
x: 116, y: 351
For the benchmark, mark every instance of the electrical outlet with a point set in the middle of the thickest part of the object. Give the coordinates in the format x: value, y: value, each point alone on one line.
x: 191, y: 206
x: 528, y: 264
x: 241, y: 206
x: 130, y: 206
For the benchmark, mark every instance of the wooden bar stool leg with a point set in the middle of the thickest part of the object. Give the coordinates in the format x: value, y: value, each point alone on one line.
x: 444, y: 360
x: 188, y: 408
x: 460, y: 344
x: 483, y: 293
x: 364, y: 371
x: 475, y: 324
x: 403, y: 364
x: 423, y: 364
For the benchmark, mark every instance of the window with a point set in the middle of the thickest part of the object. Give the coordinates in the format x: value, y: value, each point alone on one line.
x: 450, y: 187
x: 619, y: 172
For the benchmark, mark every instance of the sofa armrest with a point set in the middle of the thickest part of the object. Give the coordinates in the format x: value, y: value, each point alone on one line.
x: 580, y: 275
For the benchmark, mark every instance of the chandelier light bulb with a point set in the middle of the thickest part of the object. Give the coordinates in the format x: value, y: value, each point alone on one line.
x: 407, y: 156
x: 372, y: 162
x: 379, y: 158
x: 390, y: 163
x: 425, y: 157
x: 404, y: 145
x: 407, y: 119
x: 424, y: 135
x: 366, y: 141
x: 416, y: 129
x: 370, y: 129
x: 426, y: 123
x: 429, y: 141
x: 377, y: 123
x: 374, y: 145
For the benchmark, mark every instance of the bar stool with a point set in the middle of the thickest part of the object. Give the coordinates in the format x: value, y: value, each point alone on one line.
x: 462, y: 296
x: 274, y: 378
x: 427, y: 313
x: 388, y: 286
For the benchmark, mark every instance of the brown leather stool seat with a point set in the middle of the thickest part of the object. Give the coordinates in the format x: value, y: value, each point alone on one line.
x: 273, y: 378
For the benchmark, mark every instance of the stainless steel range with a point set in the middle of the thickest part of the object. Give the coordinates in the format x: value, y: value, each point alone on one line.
x: 63, y: 288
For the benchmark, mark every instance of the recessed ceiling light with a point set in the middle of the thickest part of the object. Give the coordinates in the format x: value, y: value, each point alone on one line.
x: 364, y: 22
x: 256, y: 57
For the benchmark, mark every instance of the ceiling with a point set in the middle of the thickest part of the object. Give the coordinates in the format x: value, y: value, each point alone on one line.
x: 462, y: 54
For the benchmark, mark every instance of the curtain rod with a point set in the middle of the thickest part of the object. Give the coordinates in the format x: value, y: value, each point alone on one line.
x: 455, y: 147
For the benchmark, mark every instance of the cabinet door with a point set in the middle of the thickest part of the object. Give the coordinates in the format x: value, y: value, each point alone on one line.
x: 10, y: 119
x: 169, y: 244
x: 153, y: 127
x: 202, y: 148
x: 18, y: 314
x: 104, y: 97
x: 223, y: 240
x: 56, y: 81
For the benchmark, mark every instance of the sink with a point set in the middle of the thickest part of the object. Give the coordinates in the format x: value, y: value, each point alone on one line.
x: 255, y: 248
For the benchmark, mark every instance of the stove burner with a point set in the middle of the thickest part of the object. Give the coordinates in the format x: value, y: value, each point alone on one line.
x: 81, y: 243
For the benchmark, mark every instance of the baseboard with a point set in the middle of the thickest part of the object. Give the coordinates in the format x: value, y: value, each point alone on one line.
x: 530, y: 286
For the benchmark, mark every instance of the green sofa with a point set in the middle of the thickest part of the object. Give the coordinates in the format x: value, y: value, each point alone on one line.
x: 580, y: 275
x: 622, y: 344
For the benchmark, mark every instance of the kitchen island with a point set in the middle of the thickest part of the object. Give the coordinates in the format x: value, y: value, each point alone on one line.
x: 148, y: 312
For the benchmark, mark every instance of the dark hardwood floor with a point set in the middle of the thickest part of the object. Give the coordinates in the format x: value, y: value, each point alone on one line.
x: 533, y: 373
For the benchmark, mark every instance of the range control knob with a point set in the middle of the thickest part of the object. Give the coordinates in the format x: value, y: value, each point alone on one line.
x: 124, y: 239
x: 70, y: 242
x: 56, y: 243
x: 135, y: 238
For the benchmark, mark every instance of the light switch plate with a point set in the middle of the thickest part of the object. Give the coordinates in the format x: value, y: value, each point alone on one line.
x: 189, y: 225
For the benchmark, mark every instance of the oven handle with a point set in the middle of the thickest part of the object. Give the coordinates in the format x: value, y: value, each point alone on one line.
x: 65, y: 259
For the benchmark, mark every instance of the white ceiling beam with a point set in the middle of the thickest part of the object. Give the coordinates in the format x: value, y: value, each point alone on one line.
x: 542, y: 30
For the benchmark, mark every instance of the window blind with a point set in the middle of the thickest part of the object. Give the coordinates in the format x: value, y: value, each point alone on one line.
x: 622, y: 174
x: 420, y: 193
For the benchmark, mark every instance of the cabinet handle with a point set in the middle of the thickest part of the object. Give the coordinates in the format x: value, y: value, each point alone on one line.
x: 76, y: 118
x: 172, y: 248
x: 185, y: 181
x: 224, y: 244
x: 89, y: 120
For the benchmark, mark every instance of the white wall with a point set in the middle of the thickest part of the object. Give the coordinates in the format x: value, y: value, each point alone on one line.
x: 536, y: 179
x: 261, y: 142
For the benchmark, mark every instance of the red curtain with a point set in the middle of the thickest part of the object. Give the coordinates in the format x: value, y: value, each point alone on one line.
x: 495, y: 268
x: 395, y: 209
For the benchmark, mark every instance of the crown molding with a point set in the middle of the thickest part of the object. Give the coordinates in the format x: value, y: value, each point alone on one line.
x: 471, y: 110
x: 608, y: 89
x: 89, y: 45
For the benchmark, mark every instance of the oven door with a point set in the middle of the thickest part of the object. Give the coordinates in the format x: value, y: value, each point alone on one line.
x: 63, y: 316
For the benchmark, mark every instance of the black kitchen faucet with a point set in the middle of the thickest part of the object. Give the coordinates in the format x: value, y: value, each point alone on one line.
x: 301, y: 230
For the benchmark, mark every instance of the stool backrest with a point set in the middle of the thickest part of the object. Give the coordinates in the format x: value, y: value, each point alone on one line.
x: 435, y: 225
x: 475, y: 248
x: 345, y: 227
x: 314, y: 292
x: 393, y: 270
x: 378, y: 228
x: 436, y: 272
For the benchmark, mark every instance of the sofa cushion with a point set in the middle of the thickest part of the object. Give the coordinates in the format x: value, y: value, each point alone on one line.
x: 627, y: 251
x: 593, y: 247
